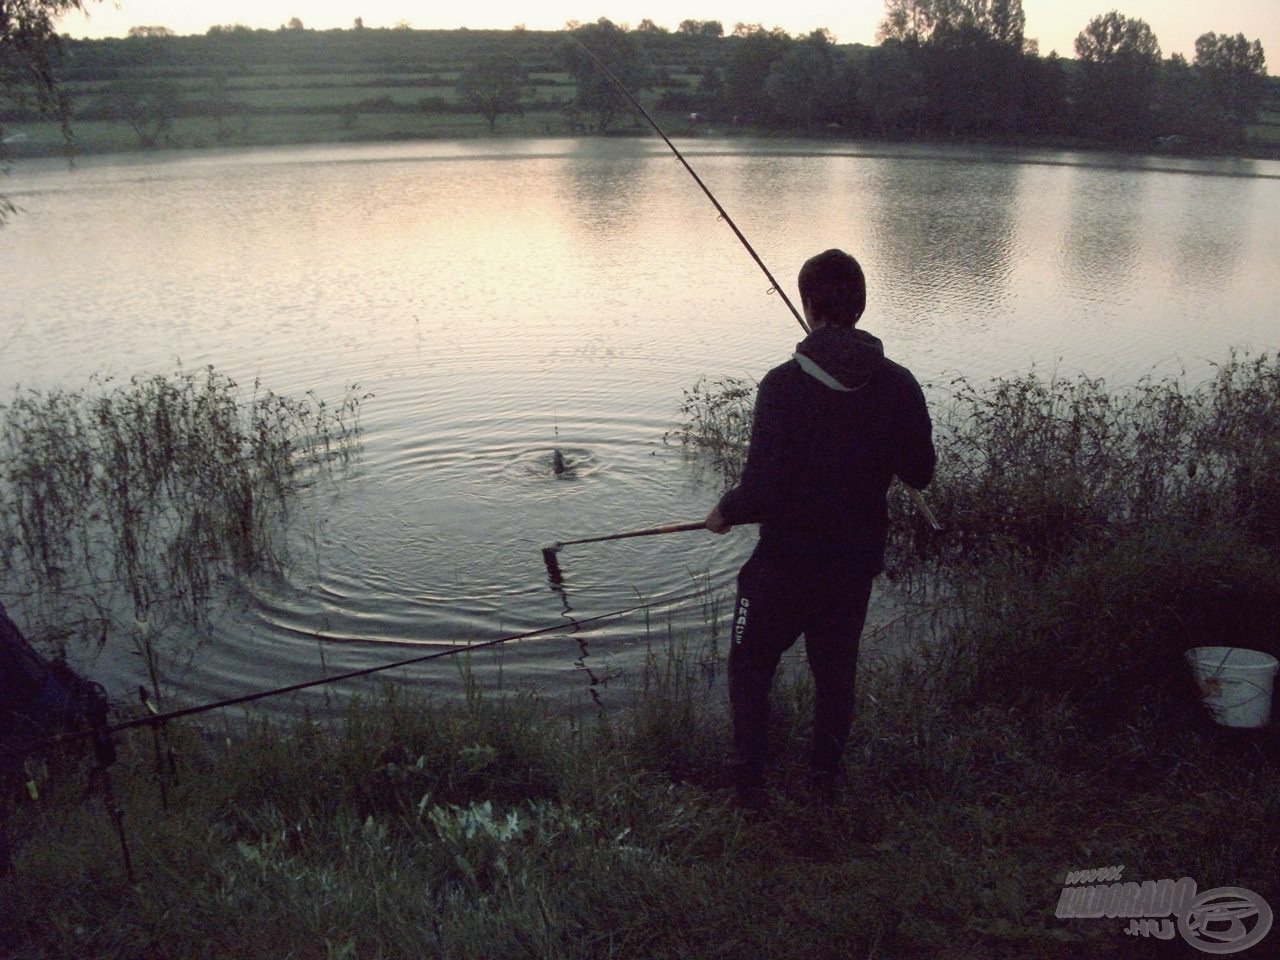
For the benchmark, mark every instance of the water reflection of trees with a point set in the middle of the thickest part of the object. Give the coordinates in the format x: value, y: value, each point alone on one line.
x: 605, y: 187
x: 934, y: 234
x: 942, y: 236
x: 1100, y: 247
x: 1213, y: 221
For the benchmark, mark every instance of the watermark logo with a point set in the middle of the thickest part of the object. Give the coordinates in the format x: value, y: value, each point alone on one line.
x: 1218, y: 921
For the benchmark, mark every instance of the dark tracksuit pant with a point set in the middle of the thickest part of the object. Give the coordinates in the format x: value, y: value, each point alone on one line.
x: 775, y: 606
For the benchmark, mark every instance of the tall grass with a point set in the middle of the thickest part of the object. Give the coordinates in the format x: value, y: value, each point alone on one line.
x: 716, y: 424
x: 1040, y: 466
x: 1035, y: 467
x: 491, y: 827
x: 133, y: 499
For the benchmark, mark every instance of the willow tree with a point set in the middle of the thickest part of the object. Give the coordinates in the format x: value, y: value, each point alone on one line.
x: 30, y: 53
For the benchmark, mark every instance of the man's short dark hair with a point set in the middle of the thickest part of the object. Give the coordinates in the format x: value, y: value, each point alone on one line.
x: 833, y: 286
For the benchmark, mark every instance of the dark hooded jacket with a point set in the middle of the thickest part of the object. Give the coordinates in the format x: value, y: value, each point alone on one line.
x: 832, y: 427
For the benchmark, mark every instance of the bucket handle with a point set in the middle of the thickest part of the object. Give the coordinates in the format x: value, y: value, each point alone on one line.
x: 1223, y: 663
x: 1262, y: 691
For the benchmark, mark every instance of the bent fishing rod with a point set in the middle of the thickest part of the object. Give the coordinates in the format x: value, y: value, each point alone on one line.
x: 916, y: 496
x: 575, y: 625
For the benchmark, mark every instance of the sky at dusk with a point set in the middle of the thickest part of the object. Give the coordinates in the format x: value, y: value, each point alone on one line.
x: 1054, y: 23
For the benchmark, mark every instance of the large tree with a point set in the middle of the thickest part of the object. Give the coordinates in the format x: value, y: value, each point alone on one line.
x: 30, y: 51
x: 754, y: 53
x: 798, y: 82
x: 1113, y: 37
x: 701, y: 28
x: 1120, y: 67
x: 973, y: 82
x: 1187, y: 107
x: 1042, y: 87
x: 1236, y: 70
x: 908, y: 20
x: 1001, y: 20
x: 923, y: 20
x: 492, y: 86
x: 893, y: 89
x: 968, y: 54
x: 146, y: 33
x: 621, y: 52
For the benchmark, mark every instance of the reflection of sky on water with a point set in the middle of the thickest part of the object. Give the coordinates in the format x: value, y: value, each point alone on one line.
x: 946, y: 248
x: 1101, y: 242
x: 500, y: 300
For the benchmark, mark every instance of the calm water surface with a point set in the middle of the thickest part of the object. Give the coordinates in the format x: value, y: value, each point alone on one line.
x: 502, y: 299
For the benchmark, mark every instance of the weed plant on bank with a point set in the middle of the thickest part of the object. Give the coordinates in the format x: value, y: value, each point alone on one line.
x: 1096, y: 535
x: 1035, y: 467
x: 130, y: 501
x: 1038, y: 467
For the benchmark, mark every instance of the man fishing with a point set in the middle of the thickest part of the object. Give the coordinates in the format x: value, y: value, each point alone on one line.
x: 832, y: 427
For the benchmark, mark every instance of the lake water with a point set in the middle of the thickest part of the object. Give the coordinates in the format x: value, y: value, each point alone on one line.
x: 502, y: 299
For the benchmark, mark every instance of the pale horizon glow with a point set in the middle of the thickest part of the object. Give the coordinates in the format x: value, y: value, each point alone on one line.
x: 1053, y: 23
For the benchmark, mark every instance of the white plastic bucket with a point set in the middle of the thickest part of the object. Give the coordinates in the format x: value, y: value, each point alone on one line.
x: 1236, y: 683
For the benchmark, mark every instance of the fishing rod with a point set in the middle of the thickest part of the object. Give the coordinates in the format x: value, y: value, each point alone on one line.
x: 159, y: 719
x: 916, y: 496
x: 775, y: 287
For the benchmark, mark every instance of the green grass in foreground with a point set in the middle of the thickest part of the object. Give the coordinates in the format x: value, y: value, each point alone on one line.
x: 491, y: 828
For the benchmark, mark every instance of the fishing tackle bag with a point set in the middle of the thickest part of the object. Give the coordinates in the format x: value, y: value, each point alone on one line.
x: 40, y: 697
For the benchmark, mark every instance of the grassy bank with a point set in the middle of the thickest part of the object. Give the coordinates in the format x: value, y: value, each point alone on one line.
x: 282, y: 129
x: 1049, y: 726
x: 339, y: 123
x: 94, y: 137
x: 492, y: 829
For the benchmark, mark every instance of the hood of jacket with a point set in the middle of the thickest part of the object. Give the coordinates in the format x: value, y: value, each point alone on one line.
x: 840, y: 358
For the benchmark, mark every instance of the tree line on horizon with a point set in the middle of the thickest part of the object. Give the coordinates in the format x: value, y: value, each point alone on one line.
x: 952, y: 68
x: 941, y: 69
